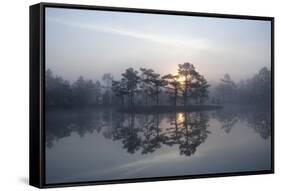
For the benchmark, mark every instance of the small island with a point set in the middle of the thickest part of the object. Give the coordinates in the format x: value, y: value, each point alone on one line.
x: 146, y: 91
x: 137, y: 91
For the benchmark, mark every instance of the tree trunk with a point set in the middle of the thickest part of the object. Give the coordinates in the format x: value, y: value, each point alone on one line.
x: 146, y: 99
x: 132, y: 100
x: 122, y: 101
x: 184, y: 98
x: 175, y: 98
x: 157, y: 97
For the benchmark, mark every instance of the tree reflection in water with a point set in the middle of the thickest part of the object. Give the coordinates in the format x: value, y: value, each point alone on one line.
x: 258, y: 118
x: 143, y: 132
x: 188, y: 130
x: 146, y: 133
x: 227, y: 117
x: 61, y: 123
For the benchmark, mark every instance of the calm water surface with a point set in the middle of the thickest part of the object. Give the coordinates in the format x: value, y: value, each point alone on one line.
x: 91, y: 145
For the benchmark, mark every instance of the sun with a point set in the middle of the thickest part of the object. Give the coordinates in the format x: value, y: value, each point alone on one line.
x: 181, y: 79
x: 180, y: 117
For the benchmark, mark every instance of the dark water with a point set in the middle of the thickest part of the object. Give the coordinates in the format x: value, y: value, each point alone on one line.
x: 89, y: 145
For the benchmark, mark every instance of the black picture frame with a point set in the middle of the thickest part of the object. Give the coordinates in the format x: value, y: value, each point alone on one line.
x: 37, y: 93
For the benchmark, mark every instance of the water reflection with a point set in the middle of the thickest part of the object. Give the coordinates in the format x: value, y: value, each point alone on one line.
x: 256, y: 117
x: 60, y: 124
x: 148, y: 133
x: 188, y: 131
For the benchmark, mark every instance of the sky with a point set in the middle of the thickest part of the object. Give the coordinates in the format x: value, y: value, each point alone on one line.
x: 91, y: 43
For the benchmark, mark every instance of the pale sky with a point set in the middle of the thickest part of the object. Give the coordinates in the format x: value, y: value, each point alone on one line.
x: 91, y: 43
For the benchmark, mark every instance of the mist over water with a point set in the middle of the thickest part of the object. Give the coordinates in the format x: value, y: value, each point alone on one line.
x: 146, y: 95
x: 85, y: 145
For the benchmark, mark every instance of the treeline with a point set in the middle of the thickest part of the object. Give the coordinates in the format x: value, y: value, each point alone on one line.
x: 60, y: 92
x: 144, y: 87
x: 255, y: 90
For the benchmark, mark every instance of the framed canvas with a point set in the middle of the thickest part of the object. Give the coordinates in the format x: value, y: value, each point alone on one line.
x: 122, y: 95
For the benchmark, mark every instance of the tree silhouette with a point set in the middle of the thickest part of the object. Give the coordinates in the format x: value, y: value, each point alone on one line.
x: 226, y: 89
x: 255, y: 90
x: 58, y: 90
x: 151, y: 84
x: 130, y: 79
x: 85, y: 92
x: 157, y: 84
x: 173, y: 85
x: 201, y: 92
x: 120, y: 90
x: 261, y: 86
x: 145, y: 83
x: 188, y: 72
x: 107, y: 96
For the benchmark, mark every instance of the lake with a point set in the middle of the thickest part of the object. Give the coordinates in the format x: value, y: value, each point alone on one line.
x: 103, y: 144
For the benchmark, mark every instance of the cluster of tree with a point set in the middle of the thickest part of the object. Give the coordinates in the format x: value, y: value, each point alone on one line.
x: 146, y: 86
x: 255, y: 90
x: 82, y: 92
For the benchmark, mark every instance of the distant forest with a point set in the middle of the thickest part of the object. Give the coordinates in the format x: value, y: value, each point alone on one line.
x: 145, y: 87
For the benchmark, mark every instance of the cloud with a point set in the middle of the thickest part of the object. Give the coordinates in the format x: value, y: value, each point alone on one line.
x: 187, y: 42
